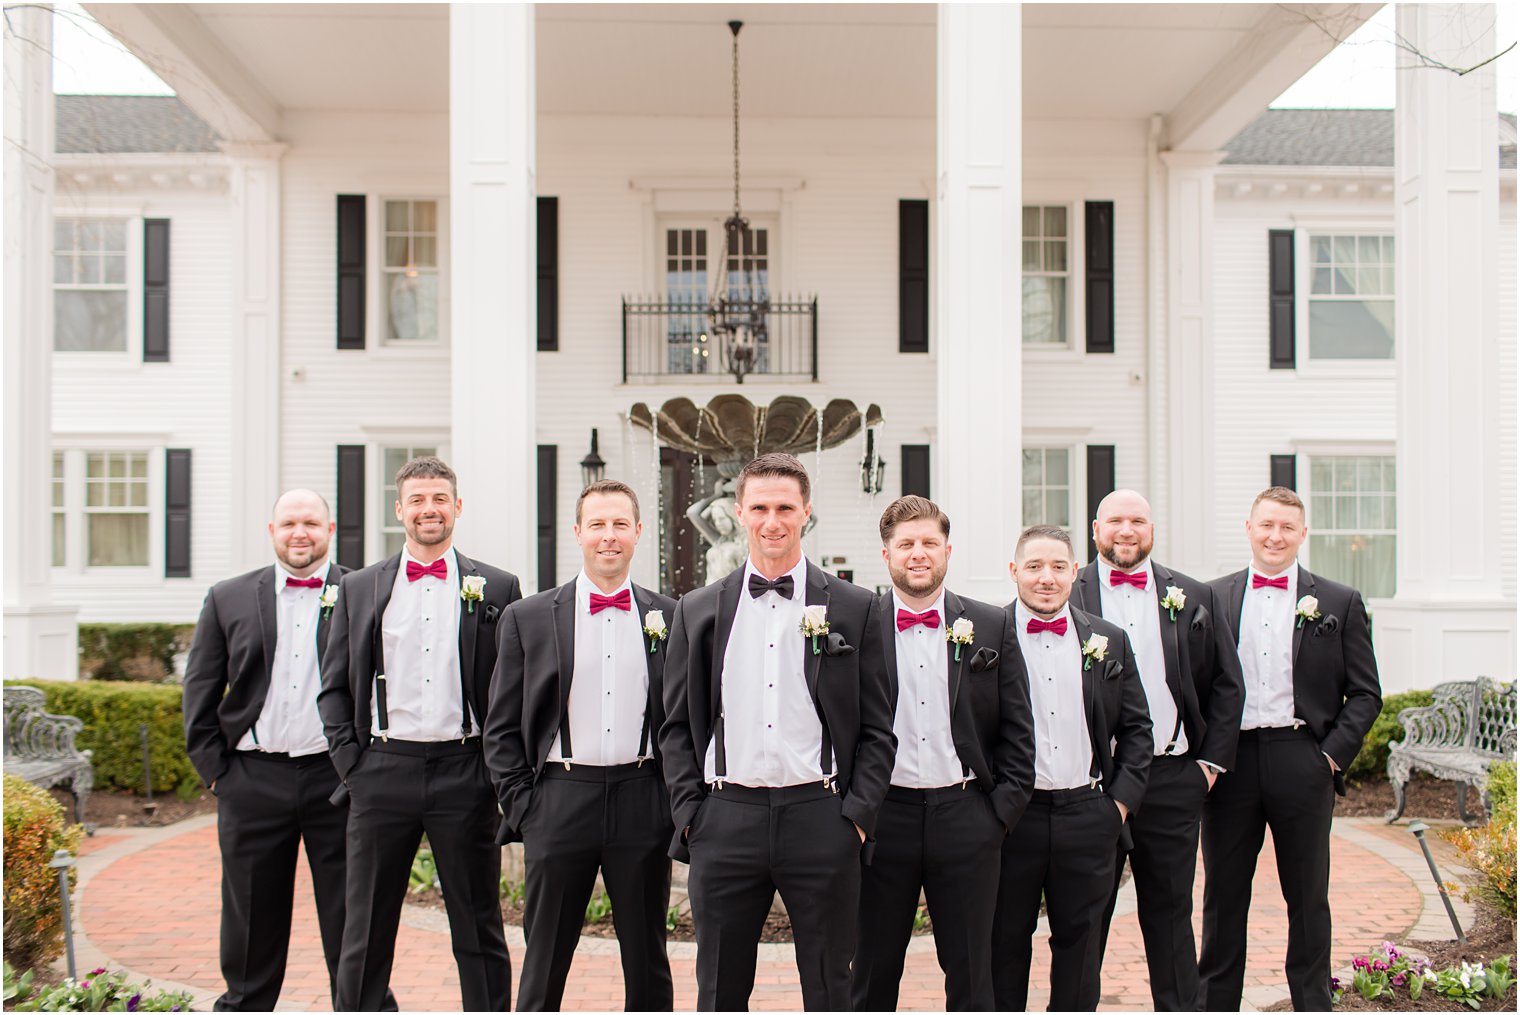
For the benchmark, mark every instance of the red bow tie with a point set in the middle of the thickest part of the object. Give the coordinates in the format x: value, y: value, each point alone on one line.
x: 929, y: 619
x: 437, y: 569
x: 1057, y: 626
x: 1138, y: 579
x: 303, y: 583
x: 622, y: 601
x: 1280, y: 582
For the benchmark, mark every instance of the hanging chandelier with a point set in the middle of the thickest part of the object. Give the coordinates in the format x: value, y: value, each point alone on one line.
x: 738, y: 308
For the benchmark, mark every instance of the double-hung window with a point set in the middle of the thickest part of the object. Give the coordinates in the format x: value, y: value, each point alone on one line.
x: 1350, y: 312
x: 1047, y: 487
x: 392, y: 458
x: 104, y: 505
x: 410, y: 273
x: 1046, y: 274
x: 1352, y: 521
x: 91, y: 298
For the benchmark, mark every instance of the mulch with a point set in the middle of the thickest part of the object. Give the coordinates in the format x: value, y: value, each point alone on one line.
x: 117, y: 809
x: 1426, y: 798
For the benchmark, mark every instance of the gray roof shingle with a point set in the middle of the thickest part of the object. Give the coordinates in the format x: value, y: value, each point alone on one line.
x: 1332, y: 137
x: 99, y: 124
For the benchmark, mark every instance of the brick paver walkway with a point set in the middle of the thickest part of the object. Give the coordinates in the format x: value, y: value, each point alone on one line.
x: 149, y: 902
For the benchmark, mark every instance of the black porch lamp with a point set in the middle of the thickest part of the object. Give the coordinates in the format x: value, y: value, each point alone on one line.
x: 873, y: 468
x: 592, y: 466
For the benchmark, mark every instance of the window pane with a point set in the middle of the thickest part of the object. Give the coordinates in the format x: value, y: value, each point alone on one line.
x: 1368, y: 249
x: 1056, y: 473
x: 1057, y: 505
x: 1369, y: 475
x: 139, y: 464
x: 138, y: 494
x: 1045, y: 311
x: 1345, y: 249
x: 63, y: 234
x: 1351, y: 329
x: 412, y: 307
x: 1366, y: 563
x: 395, y: 251
x: 60, y: 537
x: 1369, y: 280
x: 1031, y: 255
x: 1344, y: 280
x: 395, y: 458
x: 89, y: 234
x: 1033, y: 508
x: 114, y: 269
x: 1320, y: 474
x: 1345, y: 513
x: 1034, y: 467
x: 88, y: 269
x: 1319, y: 249
x: 95, y: 464
x: 116, y: 466
x: 425, y: 251
x: 118, y: 540
x: 1321, y: 510
x: 1055, y: 221
x: 89, y: 321
x: 396, y: 216
x: 1055, y: 255
x: 424, y: 216
x: 1031, y: 221
x: 63, y: 268
x: 113, y: 235
x: 1320, y: 285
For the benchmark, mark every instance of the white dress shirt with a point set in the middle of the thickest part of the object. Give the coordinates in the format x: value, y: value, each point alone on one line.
x: 288, y: 722
x: 609, y: 691
x: 926, y: 757
x: 1062, y: 750
x: 420, y: 637
x: 1138, y: 611
x: 772, y: 736
x: 1266, y: 652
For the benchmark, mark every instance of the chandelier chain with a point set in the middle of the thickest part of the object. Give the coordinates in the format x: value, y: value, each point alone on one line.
x: 736, y: 124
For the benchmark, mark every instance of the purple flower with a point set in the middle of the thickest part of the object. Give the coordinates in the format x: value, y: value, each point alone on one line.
x: 1359, y: 963
x: 133, y: 1001
x: 1399, y: 979
x: 85, y: 985
x: 1335, y: 983
x: 97, y: 972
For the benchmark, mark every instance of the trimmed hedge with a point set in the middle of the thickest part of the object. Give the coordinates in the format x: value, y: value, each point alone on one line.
x: 1372, y: 761
x: 131, y: 651
x: 111, y: 712
x: 34, y: 829
x: 1501, y: 791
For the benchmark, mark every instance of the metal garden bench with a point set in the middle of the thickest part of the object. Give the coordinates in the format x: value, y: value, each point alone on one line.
x: 1470, y: 725
x: 39, y: 747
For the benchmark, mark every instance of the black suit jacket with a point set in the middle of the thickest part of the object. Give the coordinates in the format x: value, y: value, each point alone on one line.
x: 530, y: 690
x: 990, y: 718
x: 851, y: 689
x: 353, y: 652
x: 227, y: 674
x: 1335, y: 678
x: 1198, y: 643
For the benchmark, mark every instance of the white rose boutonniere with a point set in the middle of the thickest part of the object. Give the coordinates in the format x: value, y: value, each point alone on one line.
x: 1095, y: 647
x: 1307, y: 609
x: 472, y: 589
x: 329, y: 600
x: 815, y: 623
x: 960, y: 633
x: 654, y: 627
x: 1175, y: 600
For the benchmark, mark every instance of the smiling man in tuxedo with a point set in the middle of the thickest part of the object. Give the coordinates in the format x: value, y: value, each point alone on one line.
x: 405, y: 680
x: 570, y: 741
x: 777, y: 747
x: 1311, y: 694
x: 253, y: 732
x: 1092, y: 755
x: 1194, y: 694
x: 963, y: 774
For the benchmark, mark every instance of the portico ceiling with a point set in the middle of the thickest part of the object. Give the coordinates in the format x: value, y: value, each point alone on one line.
x: 249, y: 63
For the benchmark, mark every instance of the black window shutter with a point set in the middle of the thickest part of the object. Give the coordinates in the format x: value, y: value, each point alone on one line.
x: 1100, y: 483
x: 915, y: 469
x: 1100, y: 276
x: 351, y: 505
x: 1285, y: 471
x: 548, y: 276
x: 912, y: 276
x: 1283, y: 319
x: 352, y: 255
x: 155, y: 290
x: 548, y: 485
x: 177, y: 513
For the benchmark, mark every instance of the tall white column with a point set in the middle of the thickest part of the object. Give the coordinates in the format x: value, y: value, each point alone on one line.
x: 256, y: 341
x: 978, y: 329
x: 1449, y: 619
x: 1188, y: 539
x: 493, y: 290
x: 41, y: 637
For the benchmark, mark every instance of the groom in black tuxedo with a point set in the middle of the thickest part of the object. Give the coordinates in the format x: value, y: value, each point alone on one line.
x: 1193, y: 690
x: 253, y: 732
x: 570, y: 742
x: 405, y: 680
x: 1311, y: 694
x: 777, y: 748
x: 963, y: 773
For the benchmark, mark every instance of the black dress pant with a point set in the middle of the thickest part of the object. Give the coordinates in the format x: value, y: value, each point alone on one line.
x: 588, y: 817
x: 746, y: 845
x: 1281, y: 780
x: 399, y: 790
x: 947, y: 843
x: 1063, y: 848
x: 1164, y: 862
x: 267, y: 805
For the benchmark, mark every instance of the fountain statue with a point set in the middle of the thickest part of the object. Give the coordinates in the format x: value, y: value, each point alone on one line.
x: 733, y: 431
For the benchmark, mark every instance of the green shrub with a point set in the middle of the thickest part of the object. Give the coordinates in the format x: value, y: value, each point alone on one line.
x: 112, y: 712
x: 1501, y: 791
x: 131, y: 651
x: 1372, y: 761
x: 34, y: 829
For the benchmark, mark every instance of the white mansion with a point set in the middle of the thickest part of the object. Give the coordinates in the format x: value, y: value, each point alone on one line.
x: 1063, y: 247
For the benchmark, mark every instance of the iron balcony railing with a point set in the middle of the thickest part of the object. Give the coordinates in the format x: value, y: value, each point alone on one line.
x: 677, y: 339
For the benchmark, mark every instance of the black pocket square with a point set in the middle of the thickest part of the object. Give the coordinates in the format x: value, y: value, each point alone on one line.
x: 1201, y: 618
x: 492, y: 613
x: 985, y: 659
x: 835, y: 645
x: 1112, y: 670
x: 1329, y: 624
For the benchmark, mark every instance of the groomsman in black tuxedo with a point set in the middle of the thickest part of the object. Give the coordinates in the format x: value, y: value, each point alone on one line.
x: 253, y: 732
x: 405, y: 679
x: 963, y: 774
x: 777, y: 748
x: 1311, y: 695
x: 1193, y: 690
x: 1092, y: 755
x: 570, y: 742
